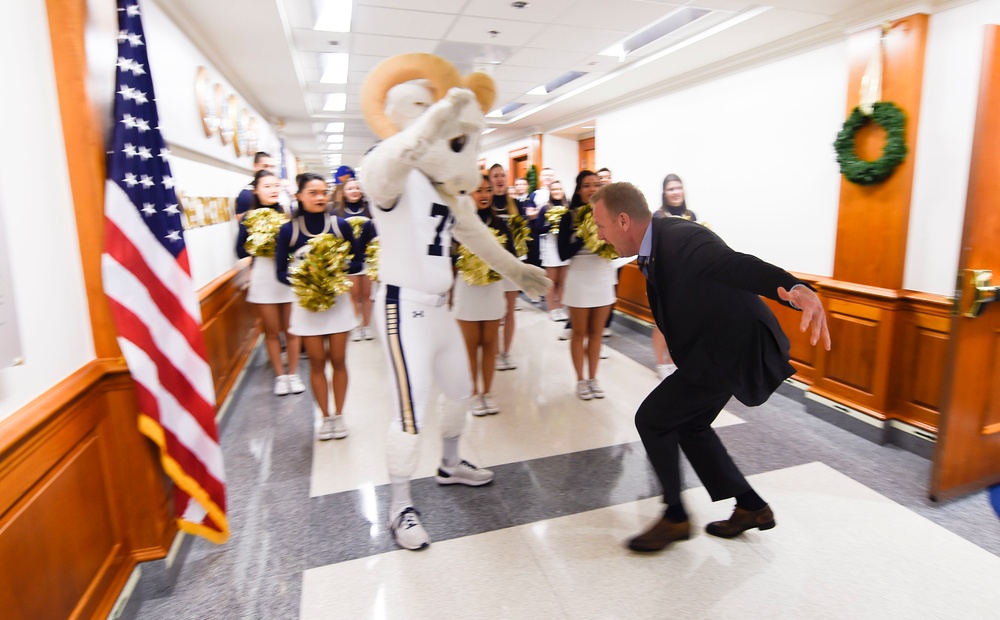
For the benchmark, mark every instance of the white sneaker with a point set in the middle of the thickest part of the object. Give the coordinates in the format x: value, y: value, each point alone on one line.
x: 583, y: 390
x: 369, y: 333
x: 665, y: 370
x: 326, y: 429
x: 464, y: 473
x: 604, y: 353
x: 281, y: 385
x: 407, y: 531
x: 563, y: 315
x: 356, y: 334
x: 504, y: 362
x: 564, y: 334
x: 595, y: 388
x: 554, y: 314
x: 339, y: 427
x: 607, y: 332
x: 295, y: 385
x: 478, y: 406
x: 490, y: 405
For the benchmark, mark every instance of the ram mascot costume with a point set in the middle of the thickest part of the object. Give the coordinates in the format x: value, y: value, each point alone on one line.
x: 419, y: 179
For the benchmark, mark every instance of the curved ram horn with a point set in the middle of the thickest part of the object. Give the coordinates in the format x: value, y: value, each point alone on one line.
x: 396, y: 70
x: 484, y: 88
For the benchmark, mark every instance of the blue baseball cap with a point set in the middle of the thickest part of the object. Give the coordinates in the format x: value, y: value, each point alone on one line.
x: 343, y: 175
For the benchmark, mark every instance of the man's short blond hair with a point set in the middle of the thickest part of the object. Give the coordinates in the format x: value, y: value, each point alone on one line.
x: 623, y: 198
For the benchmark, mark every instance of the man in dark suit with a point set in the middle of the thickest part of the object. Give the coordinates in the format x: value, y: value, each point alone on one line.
x: 725, y: 341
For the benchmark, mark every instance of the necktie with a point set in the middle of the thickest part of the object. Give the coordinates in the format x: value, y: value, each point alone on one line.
x: 643, y: 262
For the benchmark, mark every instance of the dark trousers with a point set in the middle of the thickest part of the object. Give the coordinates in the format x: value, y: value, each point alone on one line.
x: 679, y: 414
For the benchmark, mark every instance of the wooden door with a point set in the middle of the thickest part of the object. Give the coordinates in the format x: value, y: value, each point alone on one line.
x: 588, y: 155
x: 967, y: 456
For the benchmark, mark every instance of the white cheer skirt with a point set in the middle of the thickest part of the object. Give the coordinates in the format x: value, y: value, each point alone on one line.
x: 338, y: 319
x: 265, y: 288
x: 590, y: 282
x: 479, y: 303
x: 550, y: 252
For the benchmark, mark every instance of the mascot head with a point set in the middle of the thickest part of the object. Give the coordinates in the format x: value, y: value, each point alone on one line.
x: 400, y: 89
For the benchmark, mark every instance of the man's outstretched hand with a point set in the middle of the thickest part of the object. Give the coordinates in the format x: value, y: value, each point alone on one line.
x: 805, y: 299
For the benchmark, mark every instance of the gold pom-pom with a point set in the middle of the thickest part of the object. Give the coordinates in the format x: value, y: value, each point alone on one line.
x: 262, y: 231
x: 371, y: 257
x: 521, y: 233
x: 321, y: 275
x: 586, y: 229
x: 357, y: 223
x: 474, y: 270
x: 554, y: 217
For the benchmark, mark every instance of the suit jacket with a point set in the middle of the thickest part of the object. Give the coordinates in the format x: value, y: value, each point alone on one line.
x: 705, y: 299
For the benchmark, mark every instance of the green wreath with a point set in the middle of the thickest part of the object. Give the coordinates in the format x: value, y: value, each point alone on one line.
x: 863, y: 172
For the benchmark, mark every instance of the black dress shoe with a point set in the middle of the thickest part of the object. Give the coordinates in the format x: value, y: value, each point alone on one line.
x: 741, y: 521
x: 661, y: 534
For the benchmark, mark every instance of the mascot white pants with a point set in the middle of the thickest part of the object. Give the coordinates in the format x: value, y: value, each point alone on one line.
x: 424, y: 347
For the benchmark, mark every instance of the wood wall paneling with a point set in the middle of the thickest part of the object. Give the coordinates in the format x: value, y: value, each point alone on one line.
x: 82, y: 494
x: 632, y: 298
x: 873, y: 220
x: 229, y: 327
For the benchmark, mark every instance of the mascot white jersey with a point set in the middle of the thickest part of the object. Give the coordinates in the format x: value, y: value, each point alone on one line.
x: 415, y: 239
x: 419, y: 179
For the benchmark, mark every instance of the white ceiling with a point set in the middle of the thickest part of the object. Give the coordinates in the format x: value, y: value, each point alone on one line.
x: 269, y: 50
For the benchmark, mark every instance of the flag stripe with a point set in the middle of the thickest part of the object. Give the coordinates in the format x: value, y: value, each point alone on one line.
x: 126, y: 216
x: 135, y: 332
x: 121, y: 248
x: 173, y: 417
x: 122, y: 286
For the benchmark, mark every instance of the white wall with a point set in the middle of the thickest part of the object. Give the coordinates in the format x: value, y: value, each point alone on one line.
x: 174, y: 60
x: 754, y: 150
x: 563, y: 156
x: 944, y: 152
x: 41, y: 239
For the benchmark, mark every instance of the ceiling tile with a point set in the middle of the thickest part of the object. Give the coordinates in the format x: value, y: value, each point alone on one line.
x: 400, y: 23
x: 575, y: 39
x: 544, y: 11
x: 477, y: 30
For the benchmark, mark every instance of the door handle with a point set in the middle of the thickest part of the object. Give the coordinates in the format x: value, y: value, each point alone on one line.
x: 974, y: 292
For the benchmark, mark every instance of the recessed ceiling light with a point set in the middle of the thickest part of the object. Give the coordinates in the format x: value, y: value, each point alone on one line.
x: 336, y: 137
x: 334, y: 147
x: 335, y: 102
x: 586, y: 126
x: 337, y: 127
x: 334, y: 15
x: 489, y: 130
x: 676, y: 20
x: 335, y: 71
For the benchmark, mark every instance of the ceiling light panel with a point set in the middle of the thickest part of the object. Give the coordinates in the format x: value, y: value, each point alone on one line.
x: 664, y: 27
x: 333, y: 15
x: 335, y: 67
x: 337, y: 127
x: 336, y: 102
x: 337, y: 137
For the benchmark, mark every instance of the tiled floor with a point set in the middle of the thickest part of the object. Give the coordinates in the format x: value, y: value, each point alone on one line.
x: 856, y: 536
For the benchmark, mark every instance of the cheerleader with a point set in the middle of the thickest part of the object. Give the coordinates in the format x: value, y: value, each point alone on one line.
x: 589, y: 290
x: 479, y: 308
x: 555, y: 267
x: 350, y: 205
x: 271, y: 298
x: 324, y: 333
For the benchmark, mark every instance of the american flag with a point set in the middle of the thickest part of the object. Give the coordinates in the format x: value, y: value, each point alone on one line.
x: 147, y: 280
